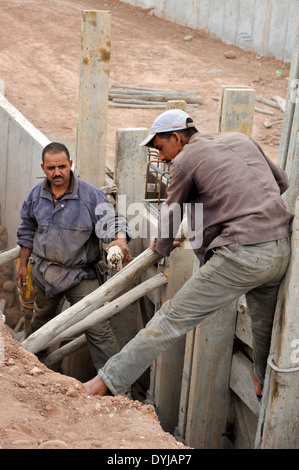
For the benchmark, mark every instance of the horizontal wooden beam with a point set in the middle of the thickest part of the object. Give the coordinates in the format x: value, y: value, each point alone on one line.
x: 111, y: 308
x: 241, y: 381
x: 65, y: 350
x: 9, y: 255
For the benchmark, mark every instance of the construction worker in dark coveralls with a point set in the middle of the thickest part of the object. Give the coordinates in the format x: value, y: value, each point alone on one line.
x: 63, y: 219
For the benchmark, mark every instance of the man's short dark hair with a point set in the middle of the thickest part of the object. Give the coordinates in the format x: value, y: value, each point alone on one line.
x: 186, y: 132
x: 55, y: 147
x: 166, y: 135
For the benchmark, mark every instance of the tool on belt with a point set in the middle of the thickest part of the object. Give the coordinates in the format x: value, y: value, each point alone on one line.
x: 29, y: 280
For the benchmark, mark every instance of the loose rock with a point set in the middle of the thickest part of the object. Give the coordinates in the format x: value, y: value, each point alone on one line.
x: 230, y: 55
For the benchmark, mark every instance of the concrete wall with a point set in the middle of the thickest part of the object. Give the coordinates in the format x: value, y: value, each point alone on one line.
x: 267, y: 27
x: 21, y: 147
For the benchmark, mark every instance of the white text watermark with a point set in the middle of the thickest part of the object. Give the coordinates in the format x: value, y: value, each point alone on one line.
x: 183, y: 220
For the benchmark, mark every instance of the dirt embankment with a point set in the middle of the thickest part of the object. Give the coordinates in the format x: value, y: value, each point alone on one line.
x: 42, y: 409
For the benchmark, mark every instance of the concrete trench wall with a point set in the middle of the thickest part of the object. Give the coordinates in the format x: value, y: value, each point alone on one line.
x: 267, y: 27
x: 21, y: 147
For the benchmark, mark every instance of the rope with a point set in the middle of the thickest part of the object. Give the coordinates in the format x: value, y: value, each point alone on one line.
x: 270, y: 361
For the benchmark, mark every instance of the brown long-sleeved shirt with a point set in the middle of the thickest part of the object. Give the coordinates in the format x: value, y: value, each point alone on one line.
x: 239, y: 189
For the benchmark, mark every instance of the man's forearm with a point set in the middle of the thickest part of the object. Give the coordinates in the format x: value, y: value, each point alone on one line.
x: 25, y: 255
x: 23, y: 271
x: 121, y: 241
x: 121, y: 235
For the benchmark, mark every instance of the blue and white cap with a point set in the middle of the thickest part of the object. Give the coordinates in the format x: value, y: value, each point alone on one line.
x: 171, y: 120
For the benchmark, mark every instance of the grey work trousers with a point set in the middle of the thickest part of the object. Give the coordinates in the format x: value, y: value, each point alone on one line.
x: 101, y: 341
x: 232, y: 271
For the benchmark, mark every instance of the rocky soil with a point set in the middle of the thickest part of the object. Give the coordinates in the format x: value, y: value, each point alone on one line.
x: 39, y: 65
x: 42, y: 409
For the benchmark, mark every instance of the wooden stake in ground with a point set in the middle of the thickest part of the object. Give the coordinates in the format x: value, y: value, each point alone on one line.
x: 93, y: 96
x: 278, y: 423
x: 236, y: 109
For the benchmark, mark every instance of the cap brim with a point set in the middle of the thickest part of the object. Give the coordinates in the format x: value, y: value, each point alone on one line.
x: 146, y: 141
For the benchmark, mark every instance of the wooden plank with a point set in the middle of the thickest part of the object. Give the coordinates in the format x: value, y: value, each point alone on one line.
x: 156, y: 97
x: 65, y: 350
x: 155, y: 90
x: 108, y: 291
x: 105, y: 312
x: 10, y: 255
x: 292, y: 163
x: 244, y: 425
x: 150, y: 227
x: 150, y: 105
x: 111, y: 308
x: 135, y: 101
x: 154, y: 296
x: 220, y: 99
x: 237, y: 110
x: 241, y: 381
x: 166, y: 385
x: 271, y: 103
x: 168, y: 378
x: 130, y: 165
x: 243, y: 328
x: 209, y: 385
x: 93, y: 96
x: 176, y: 104
x: 278, y: 426
x: 130, y: 178
x: 185, y: 386
x: 280, y: 101
x: 258, y: 110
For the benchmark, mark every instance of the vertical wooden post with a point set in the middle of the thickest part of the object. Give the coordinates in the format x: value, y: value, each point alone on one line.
x: 202, y: 415
x: 130, y: 175
x: 130, y: 179
x: 166, y: 377
x: 292, y: 168
x: 236, y: 109
x: 93, y: 96
x: 278, y: 426
x: 167, y: 371
x: 176, y: 104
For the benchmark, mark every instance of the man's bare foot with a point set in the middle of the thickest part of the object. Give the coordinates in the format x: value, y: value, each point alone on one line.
x: 258, y: 388
x: 96, y: 386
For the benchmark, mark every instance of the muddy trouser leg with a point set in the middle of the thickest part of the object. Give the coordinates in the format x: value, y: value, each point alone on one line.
x: 232, y: 271
x: 101, y: 341
x: 28, y: 314
x: 44, y: 309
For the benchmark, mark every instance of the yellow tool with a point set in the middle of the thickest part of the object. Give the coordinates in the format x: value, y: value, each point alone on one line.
x: 29, y: 281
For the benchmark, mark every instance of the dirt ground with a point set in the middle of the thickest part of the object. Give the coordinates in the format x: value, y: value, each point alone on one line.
x: 39, y: 64
x: 42, y: 409
x: 40, y: 60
